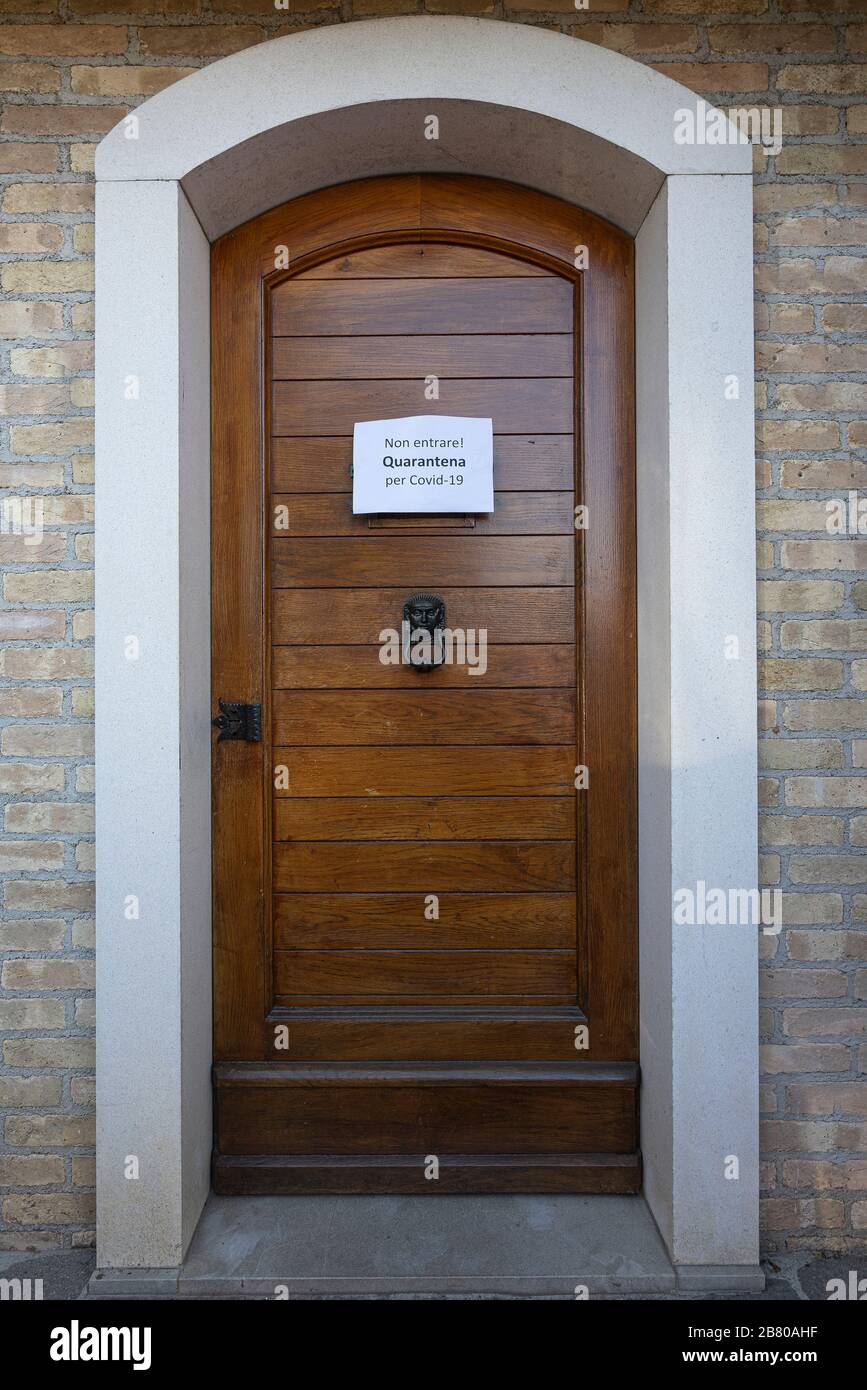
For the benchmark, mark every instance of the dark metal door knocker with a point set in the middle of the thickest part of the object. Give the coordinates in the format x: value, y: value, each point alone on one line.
x: 424, y: 618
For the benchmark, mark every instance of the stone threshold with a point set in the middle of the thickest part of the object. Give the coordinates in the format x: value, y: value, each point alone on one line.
x: 474, y: 1246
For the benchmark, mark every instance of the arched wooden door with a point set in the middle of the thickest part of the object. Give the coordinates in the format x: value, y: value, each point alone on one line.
x: 424, y: 907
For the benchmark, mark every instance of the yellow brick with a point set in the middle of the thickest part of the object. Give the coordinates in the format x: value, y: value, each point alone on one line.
x: 800, y: 830
x: 81, y: 392
x: 783, y: 754
x: 52, y: 439
x: 19, y: 1014
x: 29, y: 854
x: 844, y: 634
x: 31, y: 777
x: 796, y: 434
x: 82, y: 469
x: 83, y: 239
x: 82, y: 704
x: 47, y: 740
x: 123, y: 81
x: 800, y: 673
x: 805, y: 715
x: 64, y: 586
x: 799, y: 595
x: 774, y: 515
x: 49, y: 197
x: 33, y: 400
x: 46, y: 277
x: 30, y: 238
x: 826, y: 791
x: 58, y: 360
x: 824, y: 555
x: 47, y: 663
x: 38, y: 817
x: 31, y: 702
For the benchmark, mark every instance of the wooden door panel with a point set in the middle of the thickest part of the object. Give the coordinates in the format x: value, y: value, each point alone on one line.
x: 522, y: 463
x: 392, y: 921
x: 469, y: 866
x: 417, y: 912
x: 424, y: 717
x: 417, y: 974
x: 422, y: 562
x: 305, y: 617
x: 300, y: 308
x: 424, y: 818
x: 375, y: 1111
x: 360, y: 668
x: 422, y: 355
x: 419, y: 260
x: 333, y: 407
x: 416, y: 772
x: 515, y: 513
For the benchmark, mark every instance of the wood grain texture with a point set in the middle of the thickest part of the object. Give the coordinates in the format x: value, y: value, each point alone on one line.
x: 362, y: 307
x: 522, y: 463
x: 360, y: 668
x: 338, y: 617
x: 420, y: 562
x: 418, y: 260
x: 421, y: 355
x: 477, y: 278
x: 419, y: 772
x: 424, y: 717
x: 523, y: 974
x: 468, y: 921
x: 442, y: 1110
x: 543, y: 404
x: 350, y: 866
x: 514, y: 514
x: 610, y: 1174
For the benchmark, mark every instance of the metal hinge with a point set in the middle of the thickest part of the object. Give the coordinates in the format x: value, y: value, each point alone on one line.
x: 239, y: 721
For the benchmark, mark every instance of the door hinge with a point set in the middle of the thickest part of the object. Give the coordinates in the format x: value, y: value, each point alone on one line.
x: 239, y: 721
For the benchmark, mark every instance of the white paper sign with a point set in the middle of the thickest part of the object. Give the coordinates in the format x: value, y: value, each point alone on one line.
x: 423, y: 463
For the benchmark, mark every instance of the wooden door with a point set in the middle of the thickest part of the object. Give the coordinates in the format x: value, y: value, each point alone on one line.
x: 424, y: 908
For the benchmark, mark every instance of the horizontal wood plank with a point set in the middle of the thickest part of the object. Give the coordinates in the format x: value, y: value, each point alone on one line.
x: 520, y: 304
x: 467, y: 921
x: 378, y: 1112
x: 414, y: 772
x: 420, y: 259
x: 424, y: 717
x: 359, y: 668
x: 423, y: 562
x: 522, y: 463
x: 599, y: 1174
x: 516, y: 406
x: 357, y: 616
x: 349, y: 866
x: 424, y: 818
x: 515, y: 513
x: 422, y: 355
x: 421, y: 973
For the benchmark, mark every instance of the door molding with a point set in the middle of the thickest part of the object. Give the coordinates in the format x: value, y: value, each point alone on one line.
x: 194, y: 173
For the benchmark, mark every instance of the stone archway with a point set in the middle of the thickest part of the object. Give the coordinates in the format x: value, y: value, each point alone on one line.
x: 214, y: 150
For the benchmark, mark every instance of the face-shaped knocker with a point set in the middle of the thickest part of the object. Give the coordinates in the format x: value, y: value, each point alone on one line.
x: 424, y: 617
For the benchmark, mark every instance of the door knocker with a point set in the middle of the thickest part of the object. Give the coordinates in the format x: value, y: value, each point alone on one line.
x: 424, y: 618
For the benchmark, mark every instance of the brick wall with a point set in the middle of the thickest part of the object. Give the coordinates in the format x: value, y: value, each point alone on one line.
x: 69, y: 69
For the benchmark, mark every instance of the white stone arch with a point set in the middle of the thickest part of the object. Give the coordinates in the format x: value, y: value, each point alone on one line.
x: 216, y: 149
